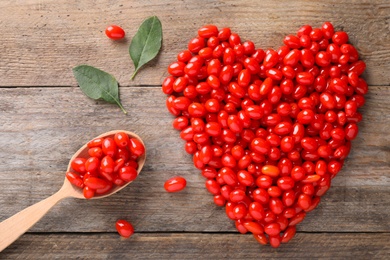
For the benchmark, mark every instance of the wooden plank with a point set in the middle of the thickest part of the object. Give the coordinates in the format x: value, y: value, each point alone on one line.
x: 43, y: 40
x: 197, y: 246
x: 42, y: 127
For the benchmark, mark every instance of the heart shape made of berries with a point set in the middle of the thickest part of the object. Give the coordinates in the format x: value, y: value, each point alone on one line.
x: 268, y: 129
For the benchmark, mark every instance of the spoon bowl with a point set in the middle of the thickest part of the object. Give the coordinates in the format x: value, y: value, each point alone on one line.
x: 16, y: 225
x: 76, y: 192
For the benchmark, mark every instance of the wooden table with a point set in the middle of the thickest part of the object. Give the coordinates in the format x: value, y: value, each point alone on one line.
x: 45, y: 118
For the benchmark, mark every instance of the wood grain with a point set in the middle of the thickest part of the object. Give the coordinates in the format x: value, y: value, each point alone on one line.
x: 43, y: 39
x: 197, y: 246
x: 43, y: 127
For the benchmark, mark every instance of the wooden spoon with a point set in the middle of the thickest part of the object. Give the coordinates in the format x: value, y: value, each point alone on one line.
x: 15, y: 226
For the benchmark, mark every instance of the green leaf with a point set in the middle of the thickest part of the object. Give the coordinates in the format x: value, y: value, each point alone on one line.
x: 97, y: 84
x: 146, y: 43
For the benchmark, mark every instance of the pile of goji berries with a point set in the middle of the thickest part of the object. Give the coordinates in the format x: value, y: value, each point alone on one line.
x: 112, y: 161
x: 268, y: 129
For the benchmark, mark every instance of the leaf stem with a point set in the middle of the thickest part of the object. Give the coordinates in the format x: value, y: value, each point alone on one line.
x: 121, y: 107
x: 132, y: 76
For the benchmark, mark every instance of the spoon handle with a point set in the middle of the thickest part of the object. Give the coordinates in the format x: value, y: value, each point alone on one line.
x: 13, y: 227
